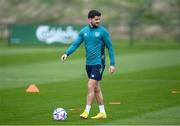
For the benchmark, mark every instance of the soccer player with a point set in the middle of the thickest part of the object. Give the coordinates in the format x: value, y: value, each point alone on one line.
x: 95, y: 38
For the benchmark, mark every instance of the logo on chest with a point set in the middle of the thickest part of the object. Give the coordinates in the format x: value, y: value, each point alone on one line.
x: 97, y: 34
x: 85, y: 34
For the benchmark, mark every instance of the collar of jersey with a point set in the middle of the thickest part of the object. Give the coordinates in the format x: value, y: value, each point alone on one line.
x: 92, y: 27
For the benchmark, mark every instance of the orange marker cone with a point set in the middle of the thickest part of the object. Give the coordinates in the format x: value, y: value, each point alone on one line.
x: 32, y: 89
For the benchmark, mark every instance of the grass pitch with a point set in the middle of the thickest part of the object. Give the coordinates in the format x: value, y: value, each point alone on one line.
x: 143, y: 83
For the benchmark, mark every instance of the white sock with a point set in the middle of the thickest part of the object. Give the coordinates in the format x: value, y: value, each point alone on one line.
x: 101, y: 108
x: 88, y: 107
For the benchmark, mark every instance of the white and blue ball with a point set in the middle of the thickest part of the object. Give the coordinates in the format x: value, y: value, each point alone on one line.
x: 59, y: 114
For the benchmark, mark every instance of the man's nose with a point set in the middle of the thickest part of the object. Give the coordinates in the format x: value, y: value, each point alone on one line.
x: 98, y: 21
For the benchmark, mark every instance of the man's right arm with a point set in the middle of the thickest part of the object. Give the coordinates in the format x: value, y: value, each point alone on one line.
x: 75, y: 44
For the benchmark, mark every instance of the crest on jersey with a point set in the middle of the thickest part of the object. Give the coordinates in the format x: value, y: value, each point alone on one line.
x: 97, y: 34
x: 85, y: 34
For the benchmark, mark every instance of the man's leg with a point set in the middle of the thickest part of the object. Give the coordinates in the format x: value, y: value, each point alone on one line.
x: 99, y: 99
x: 98, y: 94
x: 91, y: 91
x: 90, y: 96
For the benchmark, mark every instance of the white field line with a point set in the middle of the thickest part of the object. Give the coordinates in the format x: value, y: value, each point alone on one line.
x: 146, y: 80
x: 29, y: 79
x: 53, y: 79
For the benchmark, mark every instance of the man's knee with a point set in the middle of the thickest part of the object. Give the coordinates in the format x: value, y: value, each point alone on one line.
x: 97, y: 90
x: 91, y: 84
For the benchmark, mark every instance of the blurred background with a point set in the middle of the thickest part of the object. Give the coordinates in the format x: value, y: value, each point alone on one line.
x: 146, y: 40
x: 126, y: 19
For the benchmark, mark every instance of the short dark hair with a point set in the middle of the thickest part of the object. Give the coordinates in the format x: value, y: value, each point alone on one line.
x: 93, y: 13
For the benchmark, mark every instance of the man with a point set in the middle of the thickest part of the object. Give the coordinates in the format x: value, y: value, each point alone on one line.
x: 95, y: 39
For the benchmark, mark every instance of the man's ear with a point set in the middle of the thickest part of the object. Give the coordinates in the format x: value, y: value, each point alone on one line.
x: 89, y: 20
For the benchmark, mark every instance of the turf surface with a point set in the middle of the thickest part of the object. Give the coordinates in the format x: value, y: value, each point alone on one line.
x: 143, y: 83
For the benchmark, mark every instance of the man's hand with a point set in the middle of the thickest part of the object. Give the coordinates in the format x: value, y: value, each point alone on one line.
x: 112, y: 69
x: 64, y: 57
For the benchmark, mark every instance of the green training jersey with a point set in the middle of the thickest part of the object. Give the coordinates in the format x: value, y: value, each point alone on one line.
x: 95, y: 40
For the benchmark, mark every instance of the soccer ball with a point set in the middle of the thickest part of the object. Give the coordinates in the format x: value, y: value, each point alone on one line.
x: 60, y: 114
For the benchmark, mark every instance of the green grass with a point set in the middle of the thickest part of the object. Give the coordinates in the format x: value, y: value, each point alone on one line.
x: 145, y: 77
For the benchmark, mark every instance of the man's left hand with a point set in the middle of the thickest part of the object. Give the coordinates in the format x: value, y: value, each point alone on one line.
x: 112, y: 69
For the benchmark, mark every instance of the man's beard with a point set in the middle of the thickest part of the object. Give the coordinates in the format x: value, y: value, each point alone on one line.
x: 95, y: 25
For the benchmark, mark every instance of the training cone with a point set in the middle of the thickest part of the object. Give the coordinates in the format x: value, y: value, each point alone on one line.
x: 32, y: 89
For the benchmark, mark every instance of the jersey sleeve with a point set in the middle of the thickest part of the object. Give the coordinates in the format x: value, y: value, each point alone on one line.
x: 108, y: 43
x: 75, y: 44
